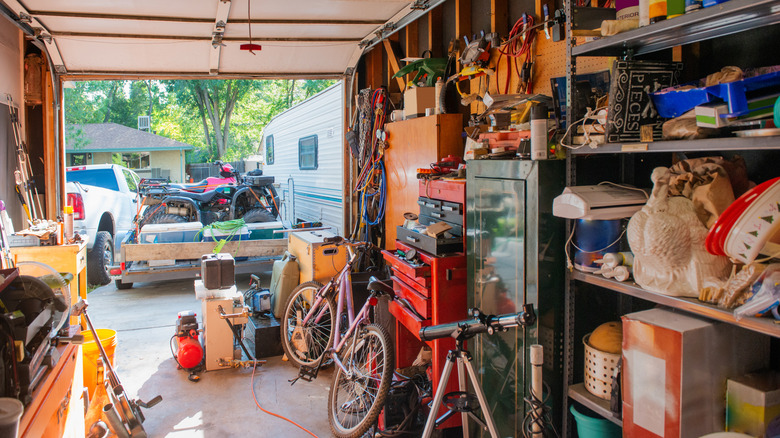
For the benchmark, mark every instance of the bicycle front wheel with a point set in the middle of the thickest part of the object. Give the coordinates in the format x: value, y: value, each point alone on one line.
x: 355, y: 401
x: 305, y: 344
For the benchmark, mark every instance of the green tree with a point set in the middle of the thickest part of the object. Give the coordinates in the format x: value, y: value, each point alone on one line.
x: 215, y: 101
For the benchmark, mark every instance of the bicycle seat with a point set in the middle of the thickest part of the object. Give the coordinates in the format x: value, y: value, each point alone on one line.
x: 334, y: 239
x: 380, y: 287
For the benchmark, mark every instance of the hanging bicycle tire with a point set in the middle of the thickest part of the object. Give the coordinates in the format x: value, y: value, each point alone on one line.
x: 305, y: 345
x: 355, y: 401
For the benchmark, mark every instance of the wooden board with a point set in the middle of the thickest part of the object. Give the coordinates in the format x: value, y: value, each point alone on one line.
x: 194, y: 250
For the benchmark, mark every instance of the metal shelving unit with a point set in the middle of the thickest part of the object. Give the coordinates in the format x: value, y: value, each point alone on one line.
x: 707, y: 144
x: 765, y: 326
x: 580, y: 394
x: 724, y: 19
x: 727, y: 18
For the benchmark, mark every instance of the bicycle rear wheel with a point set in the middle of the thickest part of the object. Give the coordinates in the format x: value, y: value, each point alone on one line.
x: 355, y: 402
x: 305, y: 344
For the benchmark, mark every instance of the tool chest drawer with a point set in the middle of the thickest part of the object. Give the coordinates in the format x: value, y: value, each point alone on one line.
x: 420, y: 303
x: 429, y: 204
x: 457, y: 228
x: 438, y: 247
x: 407, y: 319
x: 441, y: 210
x: 420, y: 274
x: 420, y: 289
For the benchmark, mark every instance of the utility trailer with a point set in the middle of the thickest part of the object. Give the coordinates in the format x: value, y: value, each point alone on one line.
x: 173, y: 261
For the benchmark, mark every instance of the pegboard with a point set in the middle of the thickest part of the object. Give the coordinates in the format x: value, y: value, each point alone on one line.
x: 550, y: 63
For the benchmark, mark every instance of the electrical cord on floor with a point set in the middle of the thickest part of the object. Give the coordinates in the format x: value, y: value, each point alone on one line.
x: 254, y: 396
x: 234, y: 330
x: 539, y: 416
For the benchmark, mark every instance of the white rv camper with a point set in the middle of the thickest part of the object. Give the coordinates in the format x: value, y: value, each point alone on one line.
x: 304, y: 152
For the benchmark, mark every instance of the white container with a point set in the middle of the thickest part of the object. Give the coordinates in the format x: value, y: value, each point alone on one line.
x: 170, y: 233
x: 203, y: 293
x: 539, y: 132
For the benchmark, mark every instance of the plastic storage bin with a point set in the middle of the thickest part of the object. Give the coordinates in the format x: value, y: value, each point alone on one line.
x: 590, y: 427
x: 674, y: 103
x: 265, y: 230
x: 215, y: 235
x: 169, y: 233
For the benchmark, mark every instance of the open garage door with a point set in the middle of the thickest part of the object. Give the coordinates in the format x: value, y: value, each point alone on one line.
x: 203, y: 38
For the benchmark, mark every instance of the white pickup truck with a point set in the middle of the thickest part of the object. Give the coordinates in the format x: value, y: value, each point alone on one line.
x: 104, y: 200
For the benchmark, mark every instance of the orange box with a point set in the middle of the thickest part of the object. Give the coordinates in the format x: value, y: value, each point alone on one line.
x: 675, y: 369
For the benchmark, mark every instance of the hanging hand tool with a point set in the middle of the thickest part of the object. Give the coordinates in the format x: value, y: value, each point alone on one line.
x: 25, y: 184
x: 429, y: 69
x: 124, y: 415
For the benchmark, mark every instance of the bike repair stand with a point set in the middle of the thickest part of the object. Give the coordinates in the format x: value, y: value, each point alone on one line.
x: 460, y: 401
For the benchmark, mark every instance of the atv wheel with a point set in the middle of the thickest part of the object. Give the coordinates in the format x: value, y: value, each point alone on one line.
x: 258, y: 215
x: 168, y: 219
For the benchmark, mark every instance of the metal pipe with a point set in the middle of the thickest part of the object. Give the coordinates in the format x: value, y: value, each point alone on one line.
x: 537, y: 359
x: 114, y: 422
x: 244, y: 313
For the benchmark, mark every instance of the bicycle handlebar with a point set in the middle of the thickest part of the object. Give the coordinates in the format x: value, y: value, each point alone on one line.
x: 481, y: 323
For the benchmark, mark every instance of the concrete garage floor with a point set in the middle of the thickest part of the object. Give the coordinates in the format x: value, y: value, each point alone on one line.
x: 221, y: 404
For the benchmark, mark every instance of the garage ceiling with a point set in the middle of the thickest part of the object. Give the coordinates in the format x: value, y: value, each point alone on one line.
x: 201, y: 38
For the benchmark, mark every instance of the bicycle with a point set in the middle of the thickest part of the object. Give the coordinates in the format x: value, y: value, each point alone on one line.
x: 362, y: 352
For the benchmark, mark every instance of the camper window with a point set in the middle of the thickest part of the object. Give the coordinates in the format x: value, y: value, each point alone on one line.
x: 269, y: 149
x: 307, y: 152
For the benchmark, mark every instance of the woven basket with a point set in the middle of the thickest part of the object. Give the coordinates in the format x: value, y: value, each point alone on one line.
x: 599, y: 367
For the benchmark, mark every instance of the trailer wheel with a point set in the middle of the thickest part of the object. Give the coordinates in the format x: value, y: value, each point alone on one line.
x: 100, y: 258
x: 169, y: 219
x: 121, y: 285
x: 258, y: 215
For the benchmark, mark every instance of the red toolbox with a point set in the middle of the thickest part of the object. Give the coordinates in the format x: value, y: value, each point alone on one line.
x: 436, y: 289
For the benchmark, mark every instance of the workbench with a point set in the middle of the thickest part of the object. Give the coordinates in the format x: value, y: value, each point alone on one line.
x: 63, y: 258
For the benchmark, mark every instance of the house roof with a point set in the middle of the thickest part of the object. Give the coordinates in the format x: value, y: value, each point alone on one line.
x: 112, y: 137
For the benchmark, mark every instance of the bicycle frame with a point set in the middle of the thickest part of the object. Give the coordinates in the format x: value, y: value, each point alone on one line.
x: 316, y: 312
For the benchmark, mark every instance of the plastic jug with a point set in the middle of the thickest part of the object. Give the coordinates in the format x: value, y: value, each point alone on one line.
x: 284, y: 278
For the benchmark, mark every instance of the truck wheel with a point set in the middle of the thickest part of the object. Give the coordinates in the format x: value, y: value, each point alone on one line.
x: 258, y: 215
x: 122, y: 286
x: 100, y: 258
x: 169, y: 219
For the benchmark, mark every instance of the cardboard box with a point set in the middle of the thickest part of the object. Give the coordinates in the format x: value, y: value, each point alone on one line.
x: 752, y: 401
x: 417, y: 99
x: 675, y: 369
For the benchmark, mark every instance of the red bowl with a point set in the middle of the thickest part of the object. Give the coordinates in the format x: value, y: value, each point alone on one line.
x: 725, y: 222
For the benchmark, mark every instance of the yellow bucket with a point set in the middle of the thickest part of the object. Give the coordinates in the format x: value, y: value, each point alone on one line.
x: 91, y: 353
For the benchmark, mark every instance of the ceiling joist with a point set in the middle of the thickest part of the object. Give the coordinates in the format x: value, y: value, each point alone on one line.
x: 59, y: 14
x: 203, y: 38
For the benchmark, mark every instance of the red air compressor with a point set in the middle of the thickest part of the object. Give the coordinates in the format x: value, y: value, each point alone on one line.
x: 189, y: 351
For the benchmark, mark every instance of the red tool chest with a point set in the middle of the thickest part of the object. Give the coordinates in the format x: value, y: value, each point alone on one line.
x: 435, y: 288
x: 437, y: 291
